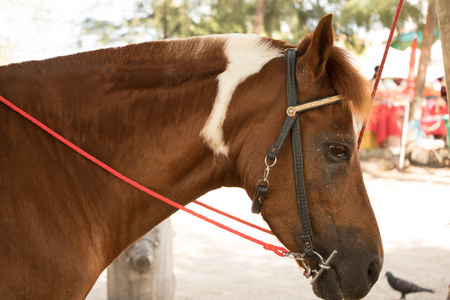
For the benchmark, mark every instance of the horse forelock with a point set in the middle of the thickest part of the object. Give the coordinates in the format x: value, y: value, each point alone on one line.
x: 349, y: 83
x: 246, y: 55
x: 345, y: 78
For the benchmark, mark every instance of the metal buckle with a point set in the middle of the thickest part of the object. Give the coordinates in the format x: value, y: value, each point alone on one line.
x: 323, y: 264
x: 292, y: 111
x: 266, y: 172
x: 262, y: 187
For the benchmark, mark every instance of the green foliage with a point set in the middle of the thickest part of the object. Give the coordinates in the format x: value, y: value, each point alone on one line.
x: 284, y: 19
x: 157, y: 19
x: 365, y: 13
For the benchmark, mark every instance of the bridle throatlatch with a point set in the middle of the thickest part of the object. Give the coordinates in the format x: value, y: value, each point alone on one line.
x: 292, y: 125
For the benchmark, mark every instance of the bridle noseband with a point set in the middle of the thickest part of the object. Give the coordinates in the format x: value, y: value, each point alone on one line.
x: 291, y: 124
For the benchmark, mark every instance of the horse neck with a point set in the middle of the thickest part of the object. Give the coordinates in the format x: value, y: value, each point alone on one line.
x: 131, y: 107
x: 145, y: 116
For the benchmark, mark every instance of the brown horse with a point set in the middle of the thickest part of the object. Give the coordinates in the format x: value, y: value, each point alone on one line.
x: 182, y: 117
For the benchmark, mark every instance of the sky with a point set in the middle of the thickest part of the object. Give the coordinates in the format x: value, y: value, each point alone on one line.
x: 49, y: 28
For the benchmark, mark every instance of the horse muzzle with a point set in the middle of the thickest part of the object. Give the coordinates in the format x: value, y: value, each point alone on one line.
x: 348, y: 278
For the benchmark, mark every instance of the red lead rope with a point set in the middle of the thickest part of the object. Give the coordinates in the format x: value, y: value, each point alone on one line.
x: 276, y: 249
x: 383, y: 60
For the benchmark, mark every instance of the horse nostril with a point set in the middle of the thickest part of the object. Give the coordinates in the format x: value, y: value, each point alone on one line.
x: 373, y: 272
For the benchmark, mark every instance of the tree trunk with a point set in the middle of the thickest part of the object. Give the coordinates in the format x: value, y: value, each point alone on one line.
x: 425, y: 55
x: 259, y: 17
x: 185, y: 20
x: 443, y: 10
x: 145, y: 270
x: 165, y: 21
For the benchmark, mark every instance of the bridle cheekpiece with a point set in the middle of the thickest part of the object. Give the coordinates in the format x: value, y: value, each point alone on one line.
x: 292, y: 125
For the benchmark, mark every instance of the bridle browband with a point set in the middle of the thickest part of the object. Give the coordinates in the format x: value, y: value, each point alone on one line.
x: 291, y: 124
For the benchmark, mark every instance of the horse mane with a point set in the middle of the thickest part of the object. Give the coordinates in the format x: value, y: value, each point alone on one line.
x: 164, y: 63
x: 159, y: 52
x: 346, y: 79
x: 148, y: 64
x: 164, y: 57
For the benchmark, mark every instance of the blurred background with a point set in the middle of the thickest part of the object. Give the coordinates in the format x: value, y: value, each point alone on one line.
x: 35, y: 29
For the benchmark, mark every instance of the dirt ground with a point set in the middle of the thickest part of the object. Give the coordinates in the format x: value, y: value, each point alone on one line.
x: 413, y: 212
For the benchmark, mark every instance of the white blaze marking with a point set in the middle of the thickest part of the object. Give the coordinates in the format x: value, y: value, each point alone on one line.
x: 246, y: 55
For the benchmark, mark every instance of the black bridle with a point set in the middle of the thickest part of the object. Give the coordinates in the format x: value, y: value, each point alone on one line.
x: 291, y: 124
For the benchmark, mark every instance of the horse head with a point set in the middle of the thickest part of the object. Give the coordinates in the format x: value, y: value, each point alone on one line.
x: 340, y: 213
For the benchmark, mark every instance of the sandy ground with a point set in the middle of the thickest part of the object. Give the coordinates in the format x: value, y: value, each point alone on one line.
x: 413, y: 212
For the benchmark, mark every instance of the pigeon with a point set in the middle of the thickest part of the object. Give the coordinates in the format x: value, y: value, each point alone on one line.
x: 404, y: 286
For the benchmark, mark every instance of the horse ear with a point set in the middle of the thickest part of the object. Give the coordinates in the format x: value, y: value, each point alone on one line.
x: 319, y: 49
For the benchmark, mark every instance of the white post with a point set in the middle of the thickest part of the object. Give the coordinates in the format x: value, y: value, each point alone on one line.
x: 443, y: 12
x: 145, y: 270
x: 401, y: 160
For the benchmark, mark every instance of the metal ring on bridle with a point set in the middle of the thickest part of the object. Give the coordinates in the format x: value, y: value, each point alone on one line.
x: 264, y: 181
x: 301, y: 257
x: 322, y: 264
x: 270, y: 165
x: 295, y: 255
x: 291, y: 112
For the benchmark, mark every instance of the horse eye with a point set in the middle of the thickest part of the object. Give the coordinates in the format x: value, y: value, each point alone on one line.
x: 338, y: 151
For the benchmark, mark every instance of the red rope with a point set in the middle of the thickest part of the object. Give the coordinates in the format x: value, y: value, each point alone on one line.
x: 280, y: 251
x: 383, y: 60
x: 232, y: 217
